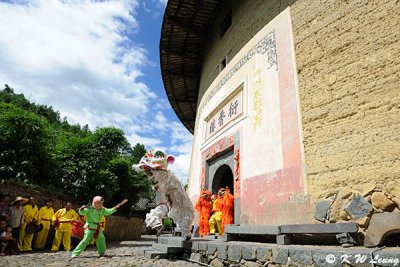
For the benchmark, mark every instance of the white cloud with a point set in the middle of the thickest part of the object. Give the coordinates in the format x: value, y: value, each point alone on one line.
x: 181, y: 167
x: 148, y: 142
x: 76, y: 56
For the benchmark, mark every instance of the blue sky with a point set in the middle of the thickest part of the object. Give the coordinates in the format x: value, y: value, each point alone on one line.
x: 97, y: 63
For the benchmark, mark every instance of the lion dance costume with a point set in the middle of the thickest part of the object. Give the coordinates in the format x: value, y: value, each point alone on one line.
x: 227, y: 208
x: 155, y: 217
x: 204, y: 207
x: 155, y: 165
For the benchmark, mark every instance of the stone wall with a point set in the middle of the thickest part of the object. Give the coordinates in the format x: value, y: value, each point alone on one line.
x: 255, y: 255
x: 14, y: 190
x: 120, y: 228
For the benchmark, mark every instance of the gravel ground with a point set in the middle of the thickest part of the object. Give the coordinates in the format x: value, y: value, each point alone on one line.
x: 125, y: 253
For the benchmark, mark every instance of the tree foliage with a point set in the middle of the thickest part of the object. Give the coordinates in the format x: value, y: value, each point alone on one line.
x: 38, y: 147
x: 24, y: 144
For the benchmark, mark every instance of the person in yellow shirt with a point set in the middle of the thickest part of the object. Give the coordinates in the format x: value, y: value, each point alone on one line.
x: 31, y: 213
x: 62, y: 220
x: 216, y: 217
x: 45, y: 215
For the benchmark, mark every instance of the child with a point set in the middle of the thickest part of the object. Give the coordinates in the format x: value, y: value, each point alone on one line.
x: 6, y: 240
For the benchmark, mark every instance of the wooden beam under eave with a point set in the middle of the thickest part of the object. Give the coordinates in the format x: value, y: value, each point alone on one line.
x: 185, y: 26
x: 179, y: 54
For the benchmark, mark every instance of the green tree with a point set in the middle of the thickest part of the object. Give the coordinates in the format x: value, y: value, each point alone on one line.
x: 24, y: 145
x: 138, y: 152
x: 83, y: 162
x: 37, y: 146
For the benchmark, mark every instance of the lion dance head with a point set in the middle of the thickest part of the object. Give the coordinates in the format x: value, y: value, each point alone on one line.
x: 154, y: 159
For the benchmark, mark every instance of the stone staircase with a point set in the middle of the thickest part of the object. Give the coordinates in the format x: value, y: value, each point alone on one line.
x: 169, y: 245
x: 166, y: 246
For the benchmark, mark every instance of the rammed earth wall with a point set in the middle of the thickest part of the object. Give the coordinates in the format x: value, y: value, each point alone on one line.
x: 349, y: 84
x: 349, y: 89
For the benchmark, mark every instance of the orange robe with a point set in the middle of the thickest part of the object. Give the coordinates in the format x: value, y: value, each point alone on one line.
x: 227, y: 208
x: 204, y: 207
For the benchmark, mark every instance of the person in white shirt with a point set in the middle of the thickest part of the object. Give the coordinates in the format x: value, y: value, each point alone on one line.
x: 17, y: 215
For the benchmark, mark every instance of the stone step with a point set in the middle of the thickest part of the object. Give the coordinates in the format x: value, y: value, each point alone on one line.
x: 323, y: 228
x: 176, y: 241
x: 144, y: 249
x: 252, y: 229
x: 328, y: 228
x: 151, y: 254
x: 169, y: 249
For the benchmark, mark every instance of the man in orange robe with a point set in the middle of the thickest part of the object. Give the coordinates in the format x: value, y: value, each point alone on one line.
x: 204, y: 207
x: 227, y: 208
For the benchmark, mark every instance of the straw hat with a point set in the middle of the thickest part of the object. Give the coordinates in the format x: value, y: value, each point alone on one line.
x: 21, y: 199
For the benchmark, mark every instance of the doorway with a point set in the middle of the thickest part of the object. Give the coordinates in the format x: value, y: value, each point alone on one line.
x: 223, y: 177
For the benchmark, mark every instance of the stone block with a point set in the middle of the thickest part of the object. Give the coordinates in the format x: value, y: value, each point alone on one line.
x: 169, y: 249
x: 283, y: 240
x: 322, y: 210
x: 222, y: 251
x: 393, y: 187
x: 196, y: 257
x: 359, y: 207
x: 151, y: 254
x: 301, y: 256
x: 381, y: 202
x: 396, y: 201
x: 229, y: 237
x: 367, y: 188
x: 211, y: 248
x: 249, y: 252
x: 171, y: 240
x: 380, y: 225
x: 345, y: 239
x: 264, y: 254
x: 216, y: 263
x: 235, y: 253
x: 327, y: 258
x: 203, y: 246
x: 321, y: 228
x: 251, y: 264
x: 252, y: 229
x: 280, y: 255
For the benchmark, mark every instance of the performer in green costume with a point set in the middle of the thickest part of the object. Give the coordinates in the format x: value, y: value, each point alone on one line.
x: 92, y: 227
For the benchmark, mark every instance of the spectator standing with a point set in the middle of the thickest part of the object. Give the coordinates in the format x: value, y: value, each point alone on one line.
x: 62, y: 220
x: 17, y: 215
x: 5, y: 200
x: 45, y: 215
x: 30, y: 216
